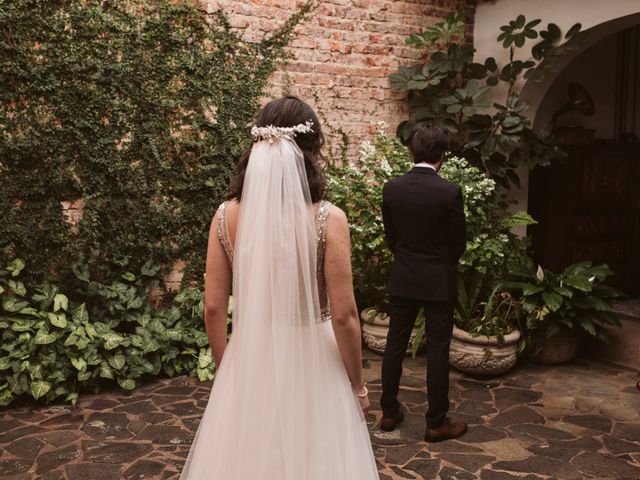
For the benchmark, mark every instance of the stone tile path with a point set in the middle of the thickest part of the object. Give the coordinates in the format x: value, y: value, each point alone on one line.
x: 579, y: 421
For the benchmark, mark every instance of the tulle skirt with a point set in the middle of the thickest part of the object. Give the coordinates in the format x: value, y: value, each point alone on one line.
x: 269, y: 420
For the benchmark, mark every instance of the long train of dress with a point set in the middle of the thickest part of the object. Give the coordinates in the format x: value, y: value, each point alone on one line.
x: 281, y: 406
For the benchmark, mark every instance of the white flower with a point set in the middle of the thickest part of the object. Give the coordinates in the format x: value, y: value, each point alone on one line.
x: 384, y: 164
x: 367, y: 149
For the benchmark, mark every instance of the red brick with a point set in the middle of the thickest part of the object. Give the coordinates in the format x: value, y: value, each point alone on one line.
x: 342, y: 53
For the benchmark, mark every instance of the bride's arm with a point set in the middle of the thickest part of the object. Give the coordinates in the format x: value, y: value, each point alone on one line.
x: 344, y: 313
x: 217, y: 287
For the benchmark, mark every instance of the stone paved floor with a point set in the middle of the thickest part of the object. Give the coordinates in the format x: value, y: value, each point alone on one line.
x: 579, y: 421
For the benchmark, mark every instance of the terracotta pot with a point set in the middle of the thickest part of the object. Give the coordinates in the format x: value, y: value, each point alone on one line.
x: 483, y: 355
x: 375, y: 332
x: 557, y: 350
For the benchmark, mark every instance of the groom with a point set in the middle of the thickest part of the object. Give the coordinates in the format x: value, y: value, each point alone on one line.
x: 425, y: 228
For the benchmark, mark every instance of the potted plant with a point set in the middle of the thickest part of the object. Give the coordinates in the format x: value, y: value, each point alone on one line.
x: 561, y: 308
x: 375, y: 326
x: 485, y: 334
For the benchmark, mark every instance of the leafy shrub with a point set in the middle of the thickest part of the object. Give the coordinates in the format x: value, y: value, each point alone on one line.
x: 138, y: 108
x: 453, y: 90
x: 356, y: 187
x: 54, y: 346
x: 573, y: 302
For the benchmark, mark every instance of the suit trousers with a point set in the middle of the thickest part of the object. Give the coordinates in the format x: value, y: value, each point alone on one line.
x: 439, y: 329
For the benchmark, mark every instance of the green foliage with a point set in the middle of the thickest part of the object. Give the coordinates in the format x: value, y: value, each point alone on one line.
x: 492, y: 250
x: 452, y: 90
x: 357, y: 189
x: 55, y: 345
x: 500, y: 315
x: 137, y: 107
x: 572, y: 302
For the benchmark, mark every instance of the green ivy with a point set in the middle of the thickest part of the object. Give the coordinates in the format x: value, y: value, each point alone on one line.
x: 137, y: 107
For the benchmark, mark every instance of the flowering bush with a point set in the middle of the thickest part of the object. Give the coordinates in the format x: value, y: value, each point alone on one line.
x: 357, y: 188
x: 491, y: 249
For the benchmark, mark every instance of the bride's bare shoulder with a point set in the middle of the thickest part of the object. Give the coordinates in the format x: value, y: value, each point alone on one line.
x: 337, y: 224
x: 228, y: 208
x: 336, y: 213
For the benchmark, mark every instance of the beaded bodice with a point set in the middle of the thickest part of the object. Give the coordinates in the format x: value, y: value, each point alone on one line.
x: 321, y: 217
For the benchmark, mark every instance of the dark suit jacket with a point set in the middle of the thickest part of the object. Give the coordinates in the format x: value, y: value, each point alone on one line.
x: 425, y: 228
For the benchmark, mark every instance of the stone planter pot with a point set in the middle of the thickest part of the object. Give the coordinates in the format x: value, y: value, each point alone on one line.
x: 557, y: 350
x: 375, y: 331
x: 483, y: 355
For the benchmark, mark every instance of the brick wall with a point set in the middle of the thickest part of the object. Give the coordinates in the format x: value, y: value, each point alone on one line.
x: 342, y: 54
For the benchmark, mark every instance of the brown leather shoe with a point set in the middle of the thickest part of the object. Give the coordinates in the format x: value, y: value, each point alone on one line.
x: 448, y: 431
x: 388, y: 424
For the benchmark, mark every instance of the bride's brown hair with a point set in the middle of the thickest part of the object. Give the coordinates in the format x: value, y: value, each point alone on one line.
x: 287, y: 112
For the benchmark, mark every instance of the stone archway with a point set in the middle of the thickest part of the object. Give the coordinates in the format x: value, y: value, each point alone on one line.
x: 535, y: 92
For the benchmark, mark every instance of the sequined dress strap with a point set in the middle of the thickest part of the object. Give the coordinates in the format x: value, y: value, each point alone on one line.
x: 321, y: 228
x: 223, y: 233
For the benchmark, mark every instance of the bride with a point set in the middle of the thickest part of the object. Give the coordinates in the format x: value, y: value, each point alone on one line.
x: 288, y: 399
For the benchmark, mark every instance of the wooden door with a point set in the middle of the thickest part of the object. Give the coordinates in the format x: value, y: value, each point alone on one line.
x: 588, y: 208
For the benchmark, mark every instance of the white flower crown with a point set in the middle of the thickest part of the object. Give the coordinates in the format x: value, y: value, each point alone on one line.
x: 272, y: 133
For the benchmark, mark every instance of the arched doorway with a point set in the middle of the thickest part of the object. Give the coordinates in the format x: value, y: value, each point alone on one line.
x: 588, y: 206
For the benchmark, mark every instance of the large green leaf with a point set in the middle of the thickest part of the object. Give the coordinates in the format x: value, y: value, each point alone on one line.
x: 591, y: 303
x: 80, y: 314
x: 18, y: 288
x: 117, y: 361
x: 587, y: 324
x: 105, y: 371
x: 204, y: 358
x: 13, y: 304
x: 580, y: 283
x: 4, y: 363
x: 564, y: 291
x: 43, y: 337
x: 60, y: 302
x: 126, y: 383
x: 22, y: 324
x: 80, y: 363
x: 15, y: 267
x: 58, y: 319
x: 112, y: 340
x: 552, y: 300
x: 531, y: 289
x: 174, y: 334
x: 40, y: 388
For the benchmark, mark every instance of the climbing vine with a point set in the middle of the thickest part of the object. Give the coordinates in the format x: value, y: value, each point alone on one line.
x: 135, y: 109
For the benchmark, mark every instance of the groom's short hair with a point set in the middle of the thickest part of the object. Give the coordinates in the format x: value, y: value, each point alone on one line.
x: 428, y: 143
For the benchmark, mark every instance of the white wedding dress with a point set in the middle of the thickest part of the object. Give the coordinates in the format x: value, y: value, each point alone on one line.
x: 281, y: 406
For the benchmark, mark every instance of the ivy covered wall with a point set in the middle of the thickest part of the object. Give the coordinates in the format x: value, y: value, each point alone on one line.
x: 133, y: 109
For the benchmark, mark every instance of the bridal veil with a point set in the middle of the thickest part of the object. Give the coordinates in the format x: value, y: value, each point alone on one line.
x: 281, y: 407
